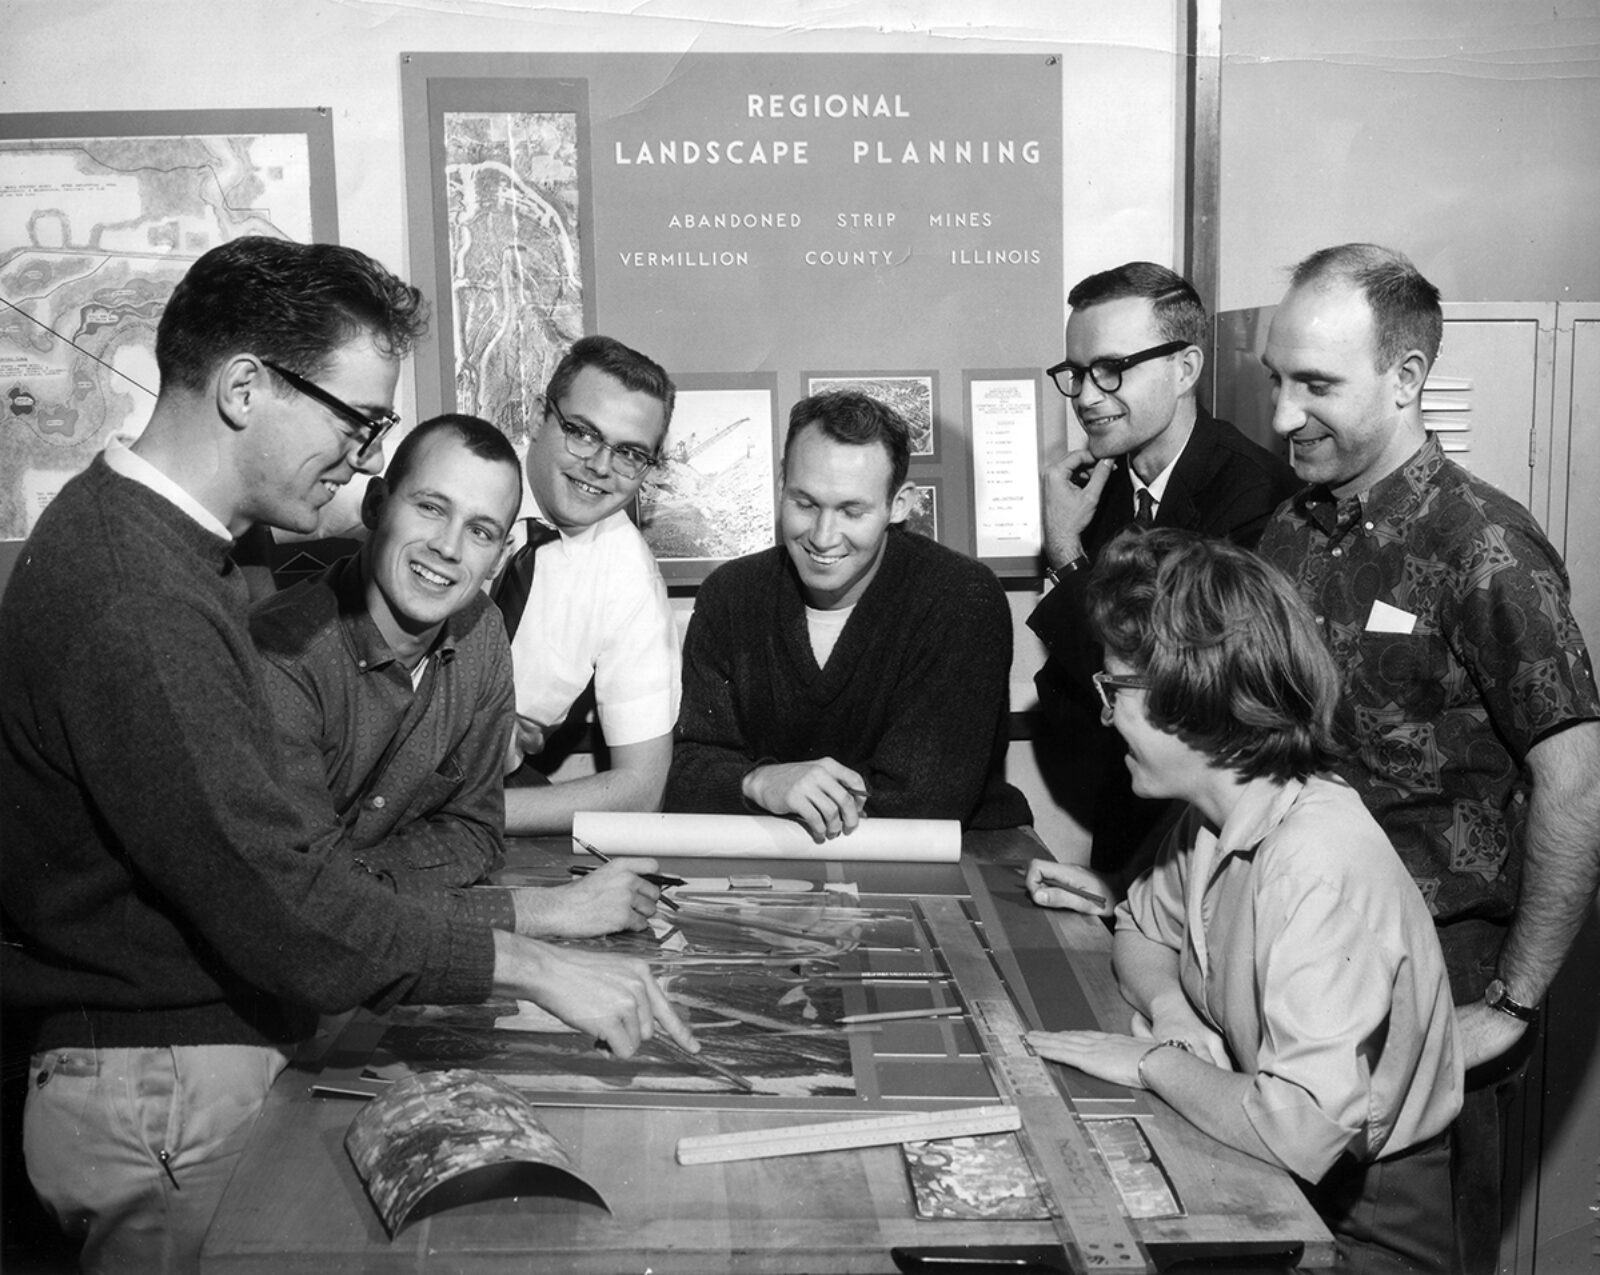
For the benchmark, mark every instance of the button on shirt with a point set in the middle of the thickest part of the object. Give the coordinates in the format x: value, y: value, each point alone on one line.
x: 1442, y: 716
x: 1302, y: 943
x: 598, y: 610
x: 402, y: 779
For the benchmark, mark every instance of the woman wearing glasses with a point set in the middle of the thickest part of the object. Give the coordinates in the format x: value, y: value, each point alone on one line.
x: 1291, y: 996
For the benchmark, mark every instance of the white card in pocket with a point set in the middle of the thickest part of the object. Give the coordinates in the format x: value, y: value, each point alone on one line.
x: 1387, y: 619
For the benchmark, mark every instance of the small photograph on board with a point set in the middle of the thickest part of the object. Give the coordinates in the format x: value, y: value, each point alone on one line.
x: 924, y: 516
x: 1137, y: 1172
x: 711, y: 496
x: 979, y: 1178
x: 912, y: 394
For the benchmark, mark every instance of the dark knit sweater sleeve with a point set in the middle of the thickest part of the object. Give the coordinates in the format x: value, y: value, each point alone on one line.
x: 938, y: 754
x: 159, y: 887
x: 191, y: 780
x: 711, y: 753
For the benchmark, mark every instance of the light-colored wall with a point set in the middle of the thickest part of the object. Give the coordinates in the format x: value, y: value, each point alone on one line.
x: 1464, y: 134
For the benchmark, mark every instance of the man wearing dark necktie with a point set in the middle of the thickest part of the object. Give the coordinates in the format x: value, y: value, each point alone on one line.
x: 582, y: 597
x: 1144, y: 508
x: 516, y: 581
x: 1135, y: 346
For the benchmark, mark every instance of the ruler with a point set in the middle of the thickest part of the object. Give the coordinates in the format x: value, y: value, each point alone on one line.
x: 840, y: 1135
x: 1089, y: 1217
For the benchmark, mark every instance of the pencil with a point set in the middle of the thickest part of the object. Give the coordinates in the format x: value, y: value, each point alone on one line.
x: 1099, y: 900
x: 936, y: 1011
x: 654, y: 878
x: 710, y: 1064
x: 606, y: 858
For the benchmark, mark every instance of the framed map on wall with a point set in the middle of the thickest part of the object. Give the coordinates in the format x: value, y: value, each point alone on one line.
x: 100, y: 216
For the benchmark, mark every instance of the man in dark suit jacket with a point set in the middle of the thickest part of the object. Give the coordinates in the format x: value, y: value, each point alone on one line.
x: 1134, y: 353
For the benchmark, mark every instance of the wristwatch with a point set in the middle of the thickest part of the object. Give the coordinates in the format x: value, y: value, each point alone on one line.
x: 1495, y: 996
x: 1054, y: 574
x: 1174, y: 1043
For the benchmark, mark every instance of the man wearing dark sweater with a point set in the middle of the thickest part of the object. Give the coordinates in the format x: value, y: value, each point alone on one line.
x: 1134, y: 352
x: 390, y: 678
x: 164, y: 922
x: 857, y: 668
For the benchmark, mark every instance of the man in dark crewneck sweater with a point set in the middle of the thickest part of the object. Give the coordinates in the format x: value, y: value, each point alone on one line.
x: 164, y: 923
x: 856, y: 668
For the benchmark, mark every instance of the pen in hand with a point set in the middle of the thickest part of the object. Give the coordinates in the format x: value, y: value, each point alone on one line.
x: 671, y: 1047
x: 654, y: 878
x: 605, y: 858
x: 1099, y: 900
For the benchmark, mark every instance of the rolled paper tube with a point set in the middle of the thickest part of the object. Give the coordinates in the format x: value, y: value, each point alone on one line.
x: 766, y: 837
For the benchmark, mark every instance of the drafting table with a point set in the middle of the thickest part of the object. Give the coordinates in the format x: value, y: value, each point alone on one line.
x: 296, y: 1204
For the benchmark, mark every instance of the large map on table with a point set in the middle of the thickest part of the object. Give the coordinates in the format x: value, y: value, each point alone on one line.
x: 772, y: 984
x: 95, y: 231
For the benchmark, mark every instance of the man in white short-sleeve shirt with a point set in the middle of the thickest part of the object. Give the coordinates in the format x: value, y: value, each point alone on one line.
x: 596, y: 606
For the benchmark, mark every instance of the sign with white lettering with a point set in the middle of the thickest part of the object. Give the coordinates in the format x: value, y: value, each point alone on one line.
x: 893, y: 219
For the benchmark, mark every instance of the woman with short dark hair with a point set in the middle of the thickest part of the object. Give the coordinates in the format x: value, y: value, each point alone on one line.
x: 1292, y: 997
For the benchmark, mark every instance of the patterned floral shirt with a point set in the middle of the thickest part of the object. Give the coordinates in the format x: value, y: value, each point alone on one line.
x: 1448, y: 613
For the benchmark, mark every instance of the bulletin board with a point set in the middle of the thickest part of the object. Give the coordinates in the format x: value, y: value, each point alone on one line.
x: 763, y: 225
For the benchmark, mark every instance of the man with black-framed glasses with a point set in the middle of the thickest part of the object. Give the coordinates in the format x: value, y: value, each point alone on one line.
x: 1135, y: 348
x: 581, y: 594
x: 366, y: 428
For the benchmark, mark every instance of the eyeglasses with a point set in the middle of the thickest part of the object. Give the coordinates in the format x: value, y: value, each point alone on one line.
x: 369, y: 430
x: 1106, y: 373
x: 1108, y: 684
x: 585, y: 442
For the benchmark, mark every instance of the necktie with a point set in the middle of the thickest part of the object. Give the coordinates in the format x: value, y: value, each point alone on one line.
x: 1145, y: 512
x: 511, y: 594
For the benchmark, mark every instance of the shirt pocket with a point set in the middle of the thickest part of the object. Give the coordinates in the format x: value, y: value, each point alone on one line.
x: 434, y: 791
x: 378, y: 817
x: 1402, y: 669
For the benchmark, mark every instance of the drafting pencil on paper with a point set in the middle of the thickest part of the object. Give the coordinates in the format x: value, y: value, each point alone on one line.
x: 654, y: 878
x: 710, y: 1064
x: 936, y: 1011
x: 606, y: 858
x: 1099, y: 900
